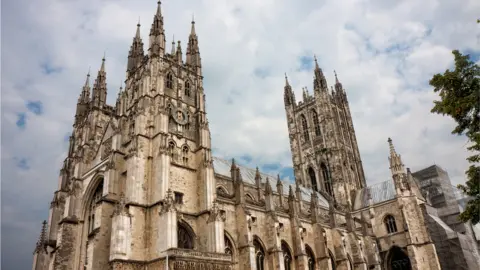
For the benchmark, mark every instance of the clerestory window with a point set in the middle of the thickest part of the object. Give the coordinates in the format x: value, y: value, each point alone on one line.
x: 390, y: 224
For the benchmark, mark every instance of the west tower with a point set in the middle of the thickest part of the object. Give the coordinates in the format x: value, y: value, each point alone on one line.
x: 322, y: 139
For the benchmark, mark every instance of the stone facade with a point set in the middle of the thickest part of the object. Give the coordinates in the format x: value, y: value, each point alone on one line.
x: 140, y: 188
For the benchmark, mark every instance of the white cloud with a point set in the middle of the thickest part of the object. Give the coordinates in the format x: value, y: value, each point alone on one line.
x: 384, y: 52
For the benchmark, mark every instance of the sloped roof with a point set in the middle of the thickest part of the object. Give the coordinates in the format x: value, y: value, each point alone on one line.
x: 380, y: 192
x: 222, y: 167
x: 450, y: 233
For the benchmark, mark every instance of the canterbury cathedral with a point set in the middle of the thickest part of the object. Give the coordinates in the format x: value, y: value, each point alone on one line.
x: 140, y: 189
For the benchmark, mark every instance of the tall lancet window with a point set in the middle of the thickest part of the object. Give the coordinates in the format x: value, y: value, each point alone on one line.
x: 169, y: 81
x: 390, y: 224
x: 327, y: 180
x: 287, y: 257
x: 313, y: 179
x: 310, y: 258
x: 187, y: 89
x: 316, y: 123
x: 97, y: 195
x: 259, y: 255
x: 184, y: 237
x: 303, y: 120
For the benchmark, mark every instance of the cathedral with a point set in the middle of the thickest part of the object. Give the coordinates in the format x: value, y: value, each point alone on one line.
x: 140, y: 189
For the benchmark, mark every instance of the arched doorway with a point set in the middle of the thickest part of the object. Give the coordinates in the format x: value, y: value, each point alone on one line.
x: 397, y: 259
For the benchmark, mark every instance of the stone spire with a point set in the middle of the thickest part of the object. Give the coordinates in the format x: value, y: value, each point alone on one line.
x: 179, y: 53
x: 193, y: 51
x: 288, y: 95
x: 42, y: 238
x: 268, y: 187
x: 338, y: 84
x: 396, y: 164
x: 99, y: 93
x: 173, y: 47
x: 319, y: 81
x: 157, y: 34
x: 85, y: 95
x: 136, y: 54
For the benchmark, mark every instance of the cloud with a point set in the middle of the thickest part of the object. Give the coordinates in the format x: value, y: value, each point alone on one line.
x: 384, y: 52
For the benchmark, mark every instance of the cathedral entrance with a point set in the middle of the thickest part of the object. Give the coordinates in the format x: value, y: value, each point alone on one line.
x: 397, y: 259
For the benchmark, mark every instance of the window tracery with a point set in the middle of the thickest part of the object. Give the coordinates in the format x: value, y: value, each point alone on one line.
x: 327, y: 179
x: 185, y: 238
x: 169, y: 81
x: 97, y: 195
x: 259, y: 255
x: 171, y: 149
x: 228, y: 245
x: 316, y: 123
x: 303, y: 120
x: 310, y: 258
x: 390, y: 224
x: 185, y: 155
x: 187, y: 89
x: 287, y: 257
x: 313, y: 179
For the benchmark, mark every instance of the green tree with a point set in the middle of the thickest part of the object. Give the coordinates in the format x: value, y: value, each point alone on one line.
x: 459, y: 92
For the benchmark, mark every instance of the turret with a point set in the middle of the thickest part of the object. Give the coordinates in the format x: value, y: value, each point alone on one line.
x: 136, y: 54
x: 319, y: 81
x: 398, y: 170
x: 193, y: 51
x: 83, y: 100
x: 288, y: 95
x: 99, y: 94
x: 157, y: 34
x: 179, y: 53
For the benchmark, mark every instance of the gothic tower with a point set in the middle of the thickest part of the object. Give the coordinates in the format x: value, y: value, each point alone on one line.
x: 322, y: 140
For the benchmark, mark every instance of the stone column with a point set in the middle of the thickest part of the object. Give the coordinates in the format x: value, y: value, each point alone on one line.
x: 216, y: 233
x: 167, y: 234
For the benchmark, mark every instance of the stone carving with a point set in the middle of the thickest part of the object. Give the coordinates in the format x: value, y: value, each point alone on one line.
x: 216, y: 214
x: 168, y: 203
x: 107, y: 148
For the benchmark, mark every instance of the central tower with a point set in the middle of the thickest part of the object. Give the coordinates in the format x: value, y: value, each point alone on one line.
x: 322, y: 140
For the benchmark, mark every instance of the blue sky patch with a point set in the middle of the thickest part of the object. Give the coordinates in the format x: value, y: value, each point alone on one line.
x: 271, y: 167
x: 287, y: 172
x: 262, y: 72
x: 35, y: 107
x: 306, y: 63
x: 48, y: 69
x: 21, y: 120
x: 22, y: 163
x: 245, y: 159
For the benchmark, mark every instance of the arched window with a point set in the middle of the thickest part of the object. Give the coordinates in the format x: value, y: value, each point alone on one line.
x: 171, y: 149
x: 390, y: 224
x: 316, y: 123
x: 397, y: 259
x: 187, y: 89
x: 332, y: 260
x: 228, y: 245
x: 185, y: 154
x: 327, y: 180
x: 310, y: 258
x: 313, y: 179
x: 287, y: 257
x: 97, y: 195
x: 184, y: 237
x: 169, y: 81
x: 259, y: 255
x: 303, y: 120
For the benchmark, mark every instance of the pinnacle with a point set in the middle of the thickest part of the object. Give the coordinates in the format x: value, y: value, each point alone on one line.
x: 392, y: 148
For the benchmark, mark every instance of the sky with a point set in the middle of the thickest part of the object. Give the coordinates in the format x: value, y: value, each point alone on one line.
x: 384, y: 52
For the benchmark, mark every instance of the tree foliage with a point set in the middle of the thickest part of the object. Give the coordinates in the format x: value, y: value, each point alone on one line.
x: 459, y: 92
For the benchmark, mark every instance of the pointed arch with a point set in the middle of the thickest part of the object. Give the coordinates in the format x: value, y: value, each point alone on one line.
x: 229, y: 245
x: 313, y: 179
x: 188, y: 88
x: 171, y: 149
x: 332, y: 261
x: 249, y: 196
x: 390, y: 224
x: 169, y: 80
x: 310, y: 257
x: 316, y: 123
x: 287, y: 255
x: 259, y: 253
x: 222, y: 190
x: 397, y: 259
x: 304, y: 124
x: 326, y: 179
x: 185, y: 235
